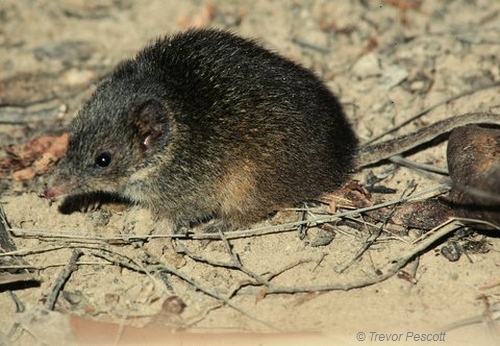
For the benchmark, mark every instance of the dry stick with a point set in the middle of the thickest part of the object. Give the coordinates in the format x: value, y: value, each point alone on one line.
x: 288, y: 267
x: 79, y: 246
x: 193, y: 321
x: 130, y: 264
x: 421, y: 168
x: 27, y: 252
x: 388, y: 271
x: 270, y: 276
x: 237, y: 262
x: 20, y: 307
x: 46, y: 266
x: 287, y: 227
x: 367, y: 244
x: 229, y: 249
x: 450, y: 221
x: 363, y: 225
x: 234, y: 265
x: 427, y: 110
x: 318, y: 262
x: 374, y: 236
x: 8, y: 249
x: 124, y: 261
x: 253, y: 232
x: 7, y: 278
x: 192, y: 282
x: 61, y: 280
x: 6, y: 243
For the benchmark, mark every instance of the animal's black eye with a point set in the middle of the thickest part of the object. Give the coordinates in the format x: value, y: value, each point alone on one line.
x: 103, y: 159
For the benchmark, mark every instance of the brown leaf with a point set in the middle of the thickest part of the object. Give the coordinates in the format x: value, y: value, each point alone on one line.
x: 36, y: 157
x: 24, y: 174
x: 352, y: 195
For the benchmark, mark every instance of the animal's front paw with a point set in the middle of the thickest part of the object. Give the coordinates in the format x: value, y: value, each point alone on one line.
x: 88, y: 202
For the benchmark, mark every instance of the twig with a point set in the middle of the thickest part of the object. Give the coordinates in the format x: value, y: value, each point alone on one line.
x: 236, y: 265
x: 123, y: 261
x: 235, y: 259
x: 6, y: 243
x: 27, y: 252
x: 254, y: 232
x: 6, y: 278
x: 61, y: 280
x: 192, y: 282
x: 270, y: 276
x: 418, y: 167
x: 366, y: 245
x: 160, y: 267
x: 20, y: 308
x: 377, y: 231
x: 374, y: 235
x: 388, y: 271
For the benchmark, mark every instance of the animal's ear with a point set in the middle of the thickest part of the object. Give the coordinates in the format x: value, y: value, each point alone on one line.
x: 152, y: 124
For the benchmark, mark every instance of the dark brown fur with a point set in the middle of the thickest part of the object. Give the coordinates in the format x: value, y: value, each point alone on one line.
x: 205, y: 124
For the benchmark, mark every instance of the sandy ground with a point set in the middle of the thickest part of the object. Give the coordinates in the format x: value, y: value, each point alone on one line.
x: 386, y: 60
